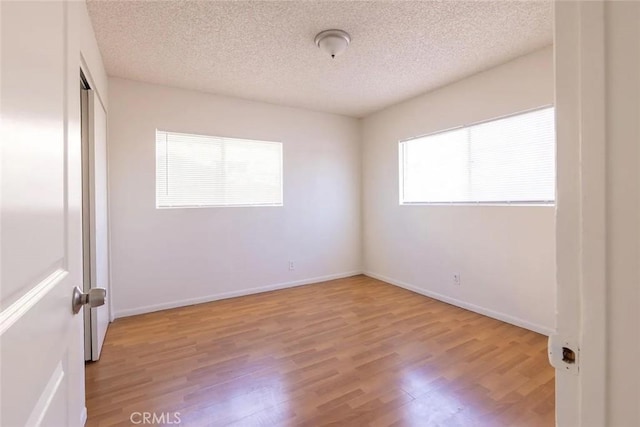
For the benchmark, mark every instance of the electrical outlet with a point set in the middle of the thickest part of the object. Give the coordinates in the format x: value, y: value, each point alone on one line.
x: 456, y: 279
x: 292, y: 266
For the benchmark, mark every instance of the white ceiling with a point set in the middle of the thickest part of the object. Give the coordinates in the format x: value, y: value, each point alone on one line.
x: 265, y: 51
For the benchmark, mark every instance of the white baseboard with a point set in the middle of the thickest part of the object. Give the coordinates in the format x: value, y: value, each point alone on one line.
x: 232, y: 294
x: 463, y: 304
x: 83, y: 416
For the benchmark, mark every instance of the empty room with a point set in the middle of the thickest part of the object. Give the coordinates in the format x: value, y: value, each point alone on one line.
x: 313, y: 213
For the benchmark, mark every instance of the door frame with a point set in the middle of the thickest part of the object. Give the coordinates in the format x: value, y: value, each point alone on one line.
x: 86, y: 129
x: 579, y: 51
x: 89, y: 81
x: 86, y: 206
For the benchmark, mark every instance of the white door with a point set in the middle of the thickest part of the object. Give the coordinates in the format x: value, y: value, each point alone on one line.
x: 96, y: 242
x: 41, y: 340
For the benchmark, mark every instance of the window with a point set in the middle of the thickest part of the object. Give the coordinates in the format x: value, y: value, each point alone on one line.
x: 201, y: 171
x: 508, y: 160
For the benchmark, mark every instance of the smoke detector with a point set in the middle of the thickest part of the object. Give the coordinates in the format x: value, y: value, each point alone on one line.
x: 333, y: 42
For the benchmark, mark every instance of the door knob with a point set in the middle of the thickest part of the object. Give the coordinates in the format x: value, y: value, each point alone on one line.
x: 95, y: 298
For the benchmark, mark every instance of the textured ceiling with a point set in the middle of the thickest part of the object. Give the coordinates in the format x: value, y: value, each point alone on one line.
x: 265, y: 51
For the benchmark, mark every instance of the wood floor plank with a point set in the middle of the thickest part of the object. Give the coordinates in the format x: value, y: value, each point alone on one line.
x: 349, y: 352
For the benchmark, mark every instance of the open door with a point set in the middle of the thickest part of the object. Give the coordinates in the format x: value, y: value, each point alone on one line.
x: 95, y: 218
x: 41, y: 360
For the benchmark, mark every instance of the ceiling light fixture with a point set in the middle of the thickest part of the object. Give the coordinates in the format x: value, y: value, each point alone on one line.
x: 333, y: 42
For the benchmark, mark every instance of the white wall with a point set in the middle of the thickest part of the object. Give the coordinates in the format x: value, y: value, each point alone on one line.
x: 170, y: 257
x: 504, y: 254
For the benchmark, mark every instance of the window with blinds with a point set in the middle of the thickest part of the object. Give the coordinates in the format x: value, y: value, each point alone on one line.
x: 508, y: 160
x: 208, y: 171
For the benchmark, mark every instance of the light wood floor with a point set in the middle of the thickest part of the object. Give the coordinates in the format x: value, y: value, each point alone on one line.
x: 349, y: 352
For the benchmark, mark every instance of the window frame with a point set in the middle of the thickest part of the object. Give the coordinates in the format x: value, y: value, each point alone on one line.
x: 522, y: 203
x: 205, y: 206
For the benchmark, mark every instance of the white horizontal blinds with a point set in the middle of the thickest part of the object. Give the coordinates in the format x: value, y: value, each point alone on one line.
x: 502, y: 161
x: 513, y: 159
x: 197, y: 170
x: 194, y: 171
x: 435, y: 168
